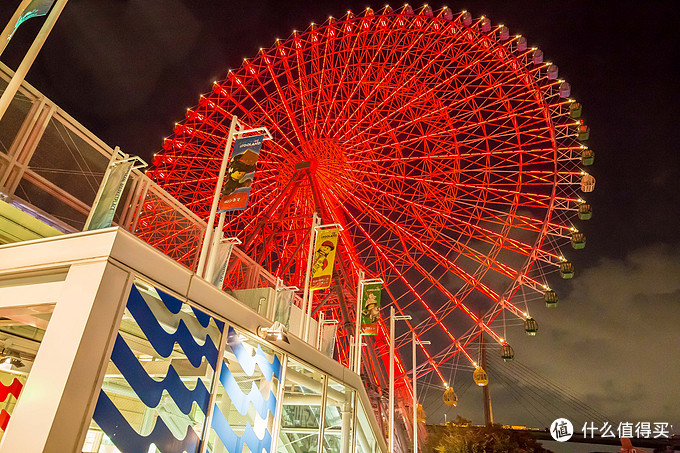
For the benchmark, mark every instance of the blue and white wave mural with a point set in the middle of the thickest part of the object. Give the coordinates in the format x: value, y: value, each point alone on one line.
x: 157, y: 386
x: 157, y: 390
x: 244, y: 411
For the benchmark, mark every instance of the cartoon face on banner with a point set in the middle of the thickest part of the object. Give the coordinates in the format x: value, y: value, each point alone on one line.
x: 241, y: 173
x: 370, y: 308
x: 324, y: 258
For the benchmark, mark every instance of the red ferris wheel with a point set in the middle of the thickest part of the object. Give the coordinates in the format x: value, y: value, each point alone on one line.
x: 448, y: 150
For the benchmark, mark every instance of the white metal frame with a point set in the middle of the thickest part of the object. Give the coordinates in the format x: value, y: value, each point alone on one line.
x: 93, y: 272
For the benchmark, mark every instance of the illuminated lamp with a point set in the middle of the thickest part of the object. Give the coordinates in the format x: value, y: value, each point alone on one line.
x: 277, y: 332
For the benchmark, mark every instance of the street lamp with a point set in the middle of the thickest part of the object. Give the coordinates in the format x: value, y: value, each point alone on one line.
x: 415, y: 399
x: 393, y: 318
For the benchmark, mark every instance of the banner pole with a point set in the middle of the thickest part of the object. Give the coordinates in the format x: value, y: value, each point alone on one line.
x: 216, y: 199
x: 29, y: 58
x: 390, y: 428
x: 357, y: 327
x: 11, y: 25
x: 316, y: 220
x: 215, y: 243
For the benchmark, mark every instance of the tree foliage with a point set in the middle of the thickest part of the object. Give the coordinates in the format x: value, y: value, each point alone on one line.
x: 460, y: 436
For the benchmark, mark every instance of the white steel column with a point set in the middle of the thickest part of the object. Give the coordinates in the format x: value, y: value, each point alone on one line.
x: 29, y: 58
x: 415, y: 398
x: 59, y: 396
x: 390, y: 429
x: 306, y: 293
x: 357, y: 326
x: 393, y: 319
x: 207, y: 239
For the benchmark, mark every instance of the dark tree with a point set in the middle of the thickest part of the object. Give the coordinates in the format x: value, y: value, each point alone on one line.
x: 460, y: 436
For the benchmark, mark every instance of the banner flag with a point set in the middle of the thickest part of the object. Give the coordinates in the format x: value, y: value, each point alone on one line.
x: 241, y: 173
x: 370, y: 308
x: 324, y: 258
x: 220, y: 262
x: 36, y: 8
x: 328, y: 332
x: 284, y: 302
x: 106, y: 203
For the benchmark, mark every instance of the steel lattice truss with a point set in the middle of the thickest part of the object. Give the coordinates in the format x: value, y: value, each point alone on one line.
x: 444, y: 149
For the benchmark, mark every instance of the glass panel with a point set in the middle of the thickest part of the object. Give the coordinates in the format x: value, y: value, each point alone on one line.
x: 21, y: 332
x: 157, y: 386
x: 65, y: 159
x: 301, y: 415
x: 51, y: 204
x: 245, y: 406
x: 365, y: 439
x: 13, y: 118
x: 337, y: 435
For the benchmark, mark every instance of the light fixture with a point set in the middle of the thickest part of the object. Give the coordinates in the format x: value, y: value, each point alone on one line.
x: 10, y: 358
x: 277, y: 332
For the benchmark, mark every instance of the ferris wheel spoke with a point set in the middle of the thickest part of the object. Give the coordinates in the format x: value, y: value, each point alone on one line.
x: 463, y: 111
x: 268, y: 119
x: 429, y: 61
x: 428, y: 251
x: 402, y: 278
x: 449, y: 157
x: 372, y: 56
x: 341, y: 79
x: 399, y: 274
x: 392, y: 67
x: 459, y: 224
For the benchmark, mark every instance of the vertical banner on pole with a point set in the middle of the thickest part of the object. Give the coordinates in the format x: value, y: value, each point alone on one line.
x: 36, y: 8
x: 324, y: 258
x: 239, y: 178
x: 328, y: 332
x: 106, y: 203
x: 218, y: 269
x: 370, y: 308
x: 284, y: 302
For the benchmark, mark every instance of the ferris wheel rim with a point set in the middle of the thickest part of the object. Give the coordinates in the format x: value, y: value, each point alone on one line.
x: 350, y: 19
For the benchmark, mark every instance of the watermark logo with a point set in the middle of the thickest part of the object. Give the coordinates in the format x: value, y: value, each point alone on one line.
x: 561, y: 430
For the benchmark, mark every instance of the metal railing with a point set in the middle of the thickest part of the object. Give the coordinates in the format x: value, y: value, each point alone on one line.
x: 51, y: 166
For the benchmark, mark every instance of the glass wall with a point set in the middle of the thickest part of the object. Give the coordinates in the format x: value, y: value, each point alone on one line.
x: 365, y: 439
x: 244, y: 413
x: 182, y: 380
x: 337, y: 435
x: 157, y: 386
x: 302, y: 409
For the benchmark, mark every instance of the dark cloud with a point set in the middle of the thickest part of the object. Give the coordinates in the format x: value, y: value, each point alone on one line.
x: 612, y: 341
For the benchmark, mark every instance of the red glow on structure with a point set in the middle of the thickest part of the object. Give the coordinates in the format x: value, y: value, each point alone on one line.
x: 447, y: 156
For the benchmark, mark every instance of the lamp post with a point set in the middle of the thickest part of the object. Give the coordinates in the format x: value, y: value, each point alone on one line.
x: 393, y: 318
x: 415, y: 399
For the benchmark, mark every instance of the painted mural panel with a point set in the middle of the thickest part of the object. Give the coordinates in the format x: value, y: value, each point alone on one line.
x: 245, y: 406
x: 156, y: 390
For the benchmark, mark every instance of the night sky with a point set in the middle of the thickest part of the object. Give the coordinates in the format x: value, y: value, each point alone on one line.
x: 127, y: 70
